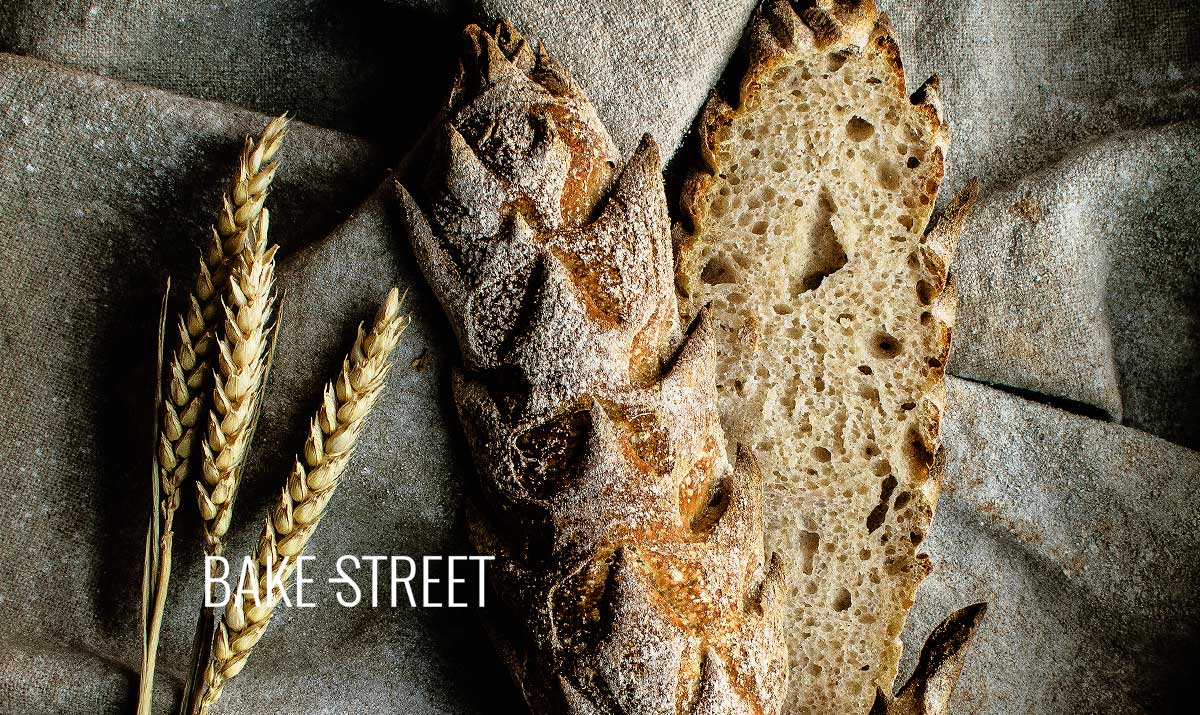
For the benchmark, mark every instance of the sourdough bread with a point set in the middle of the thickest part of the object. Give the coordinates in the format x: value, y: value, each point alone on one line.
x: 630, y: 575
x: 804, y: 229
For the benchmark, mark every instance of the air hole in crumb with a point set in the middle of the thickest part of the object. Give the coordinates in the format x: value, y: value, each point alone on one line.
x: 759, y: 228
x: 924, y: 292
x: 808, y: 543
x: 826, y: 255
x: 821, y: 454
x: 879, y: 513
x: 783, y: 309
x: 842, y: 600
x: 934, y: 363
x: 908, y: 406
x: 917, y: 452
x: 906, y: 221
x: 718, y: 270
x: 913, y: 162
x: 888, y: 178
x: 836, y: 61
x: 884, y: 345
x: 902, y: 499
x: 859, y: 129
x: 865, y: 369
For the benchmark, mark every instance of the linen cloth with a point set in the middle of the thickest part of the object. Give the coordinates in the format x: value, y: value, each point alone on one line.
x: 1068, y: 501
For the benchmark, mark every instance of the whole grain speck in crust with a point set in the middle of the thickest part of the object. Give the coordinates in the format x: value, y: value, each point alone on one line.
x: 630, y: 574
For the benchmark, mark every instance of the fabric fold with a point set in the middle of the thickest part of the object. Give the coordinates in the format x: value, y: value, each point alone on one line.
x: 1080, y: 282
x: 1081, y: 535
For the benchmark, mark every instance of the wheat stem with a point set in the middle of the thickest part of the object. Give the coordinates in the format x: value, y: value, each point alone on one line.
x: 184, y: 401
x: 156, y: 565
x: 317, y: 472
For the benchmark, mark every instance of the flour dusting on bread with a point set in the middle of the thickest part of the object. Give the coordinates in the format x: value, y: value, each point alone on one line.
x: 630, y: 574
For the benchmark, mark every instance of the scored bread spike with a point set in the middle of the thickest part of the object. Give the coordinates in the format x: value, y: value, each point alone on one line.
x: 630, y: 573
x: 317, y: 472
x: 803, y: 228
x: 940, y: 663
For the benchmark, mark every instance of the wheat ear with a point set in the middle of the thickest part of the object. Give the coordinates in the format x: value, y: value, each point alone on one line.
x: 242, y: 357
x: 241, y: 208
x: 318, y: 470
x: 185, y: 399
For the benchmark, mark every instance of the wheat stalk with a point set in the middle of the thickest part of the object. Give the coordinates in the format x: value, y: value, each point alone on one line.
x: 332, y: 436
x: 238, y: 380
x: 184, y: 401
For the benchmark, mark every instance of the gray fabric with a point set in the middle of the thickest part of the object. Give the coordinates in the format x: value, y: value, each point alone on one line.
x: 1082, y: 536
x: 379, y: 68
x: 116, y: 202
x: 1077, y: 274
x: 1026, y: 83
x: 343, y: 65
x: 1082, y: 281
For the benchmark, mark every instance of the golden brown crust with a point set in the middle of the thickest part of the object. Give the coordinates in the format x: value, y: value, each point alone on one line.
x: 630, y: 571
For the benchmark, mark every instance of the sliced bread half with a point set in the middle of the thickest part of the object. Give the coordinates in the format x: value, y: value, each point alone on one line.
x: 804, y: 227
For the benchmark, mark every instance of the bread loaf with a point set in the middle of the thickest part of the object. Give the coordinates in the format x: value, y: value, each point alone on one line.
x: 629, y: 574
x: 804, y: 227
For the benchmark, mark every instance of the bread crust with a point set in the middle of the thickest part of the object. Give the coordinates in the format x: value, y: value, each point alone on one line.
x: 779, y: 31
x: 629, y: 575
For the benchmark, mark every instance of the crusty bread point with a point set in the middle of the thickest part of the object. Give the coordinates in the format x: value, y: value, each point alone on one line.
x: 630, y: 575
x: 804, y: 228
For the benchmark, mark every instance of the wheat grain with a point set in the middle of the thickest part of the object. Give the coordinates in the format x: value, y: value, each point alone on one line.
x: 242, y: 357
x: 185, y: 400
x: 332, y: 436
x: 240, y: 210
